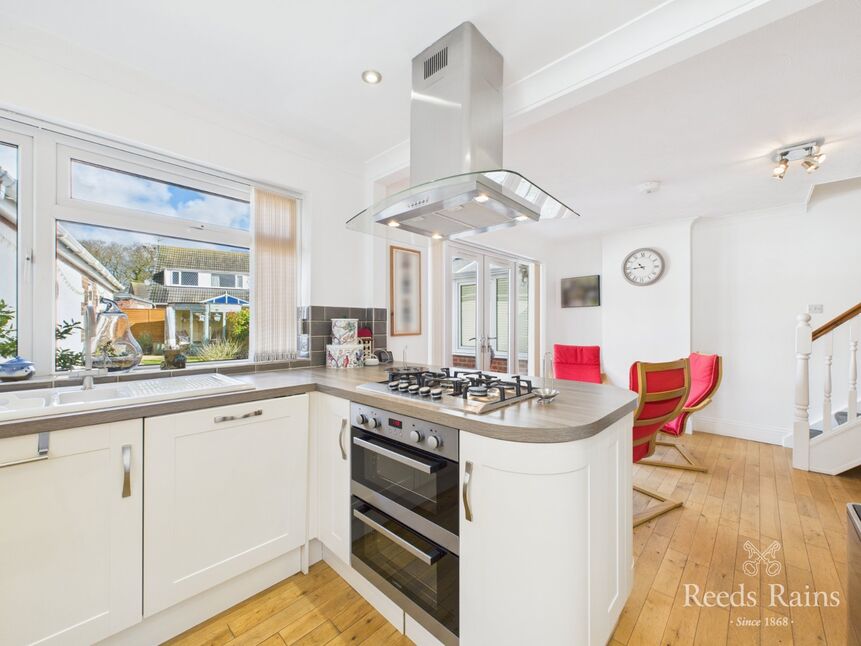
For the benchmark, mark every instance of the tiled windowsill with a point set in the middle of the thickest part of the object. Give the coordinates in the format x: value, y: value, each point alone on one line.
x: 153, y: 372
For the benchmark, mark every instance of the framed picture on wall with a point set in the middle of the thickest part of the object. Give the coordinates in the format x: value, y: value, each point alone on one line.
x: 405, y: 291
x: 581, y: 291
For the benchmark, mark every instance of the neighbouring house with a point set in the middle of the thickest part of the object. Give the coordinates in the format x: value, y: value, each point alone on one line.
x: 193, y: 297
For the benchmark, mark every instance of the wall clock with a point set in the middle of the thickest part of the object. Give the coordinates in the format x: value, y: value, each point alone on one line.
x: 643, y: 266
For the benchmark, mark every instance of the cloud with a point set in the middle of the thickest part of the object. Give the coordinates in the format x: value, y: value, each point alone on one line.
x: 128, y: 191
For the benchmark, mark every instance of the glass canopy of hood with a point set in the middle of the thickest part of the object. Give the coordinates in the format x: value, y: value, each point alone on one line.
x: 462, y: 205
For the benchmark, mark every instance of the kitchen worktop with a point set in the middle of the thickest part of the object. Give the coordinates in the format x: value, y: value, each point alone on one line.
x: 580, y: 411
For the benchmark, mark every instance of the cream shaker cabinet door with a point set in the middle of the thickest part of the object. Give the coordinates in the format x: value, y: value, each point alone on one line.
x: 225, y: 491
x: 70, y: 534
x: 331, y: 425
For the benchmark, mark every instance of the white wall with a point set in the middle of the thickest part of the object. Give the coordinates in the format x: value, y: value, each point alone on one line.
x: 645, y: 323
x: 51, y: 79
x: 753, y: 273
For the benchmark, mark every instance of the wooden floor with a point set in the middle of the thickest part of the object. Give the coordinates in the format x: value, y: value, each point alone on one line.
x: 750, y: 493
x: 316, y: 609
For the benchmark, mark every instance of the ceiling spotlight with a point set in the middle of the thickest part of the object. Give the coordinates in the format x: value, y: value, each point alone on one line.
x: 808, y: 153
x: 372, y: 77
x: 522, y: 218
x: 780, y: 170
x: 481, y: 198
x: 436, y: 236
x: 394, y: 223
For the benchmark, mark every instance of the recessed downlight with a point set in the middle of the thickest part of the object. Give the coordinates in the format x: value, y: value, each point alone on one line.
x: 372, y: 77
x: 481, y: 198
x: 522, y: 218
x: 394, y: 223
x: 436, y: 236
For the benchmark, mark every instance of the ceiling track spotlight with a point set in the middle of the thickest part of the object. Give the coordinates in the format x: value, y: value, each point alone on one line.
x: 808, y: 153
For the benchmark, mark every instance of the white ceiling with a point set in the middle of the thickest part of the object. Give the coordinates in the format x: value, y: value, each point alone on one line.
x: 297, y: 65
x: 705, y: 128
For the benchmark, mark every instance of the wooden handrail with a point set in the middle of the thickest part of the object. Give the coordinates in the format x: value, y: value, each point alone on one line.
x: 837, y: 321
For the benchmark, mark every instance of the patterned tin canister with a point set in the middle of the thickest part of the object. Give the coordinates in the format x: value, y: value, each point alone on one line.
x: 345, y: 356
x: 344, y: 331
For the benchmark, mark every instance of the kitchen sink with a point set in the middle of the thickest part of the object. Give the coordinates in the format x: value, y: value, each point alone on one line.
x: 58, y: 401
x: 94, y: 395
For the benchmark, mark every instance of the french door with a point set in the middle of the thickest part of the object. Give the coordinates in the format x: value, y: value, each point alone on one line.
x: 491, y: 307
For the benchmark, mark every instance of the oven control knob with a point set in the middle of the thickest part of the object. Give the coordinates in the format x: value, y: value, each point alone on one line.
x: 415, y: 436
x: 375, y: 423
x: 361, y: 420
x: 434, y: 442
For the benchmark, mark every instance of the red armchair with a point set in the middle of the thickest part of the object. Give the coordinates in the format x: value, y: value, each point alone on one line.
x: 706, y: 374
x: 662, y: 389
x: 577, y: 362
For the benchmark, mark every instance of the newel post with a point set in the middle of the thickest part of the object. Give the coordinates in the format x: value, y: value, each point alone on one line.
x: 801, y: 426
x: 854, y: 335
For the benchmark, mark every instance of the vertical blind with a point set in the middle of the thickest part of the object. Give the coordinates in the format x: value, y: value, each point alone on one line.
x: 275, y: 260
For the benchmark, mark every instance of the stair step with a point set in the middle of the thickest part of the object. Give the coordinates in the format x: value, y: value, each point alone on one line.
x: 841, y: 416
x: 814, y: 432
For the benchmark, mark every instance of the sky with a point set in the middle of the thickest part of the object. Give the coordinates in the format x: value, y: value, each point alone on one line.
x: 82, y: 232
x: 106, y: 186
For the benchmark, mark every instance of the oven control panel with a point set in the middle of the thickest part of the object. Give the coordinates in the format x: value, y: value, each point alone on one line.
x: 421, y: 434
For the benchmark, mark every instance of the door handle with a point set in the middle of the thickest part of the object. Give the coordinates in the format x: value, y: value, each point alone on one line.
x: 233, y: 418
x: 127, y: 470
x: 467, y: 479
x: 341, y: 438
x: 428, y: 558
x: 41, y: 453
x: 425, y: 466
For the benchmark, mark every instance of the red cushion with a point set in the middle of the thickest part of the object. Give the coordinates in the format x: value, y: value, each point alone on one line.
x: 705, y: 373
x: 656, y: 381
x: 578, y: 362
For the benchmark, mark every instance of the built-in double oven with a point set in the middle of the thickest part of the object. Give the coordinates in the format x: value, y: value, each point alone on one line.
x: 404, y: 529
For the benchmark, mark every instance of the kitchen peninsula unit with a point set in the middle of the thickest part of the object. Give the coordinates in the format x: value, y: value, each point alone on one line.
x: 174, y: 510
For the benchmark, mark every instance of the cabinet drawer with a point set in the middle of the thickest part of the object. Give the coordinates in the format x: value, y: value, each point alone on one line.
x: 237, y: 414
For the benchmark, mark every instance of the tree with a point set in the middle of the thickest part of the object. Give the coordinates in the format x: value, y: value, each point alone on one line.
x: 8, y: 338
x: 127, y: 262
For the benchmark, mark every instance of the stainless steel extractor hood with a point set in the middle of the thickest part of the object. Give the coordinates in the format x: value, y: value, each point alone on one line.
x: 459, y: 186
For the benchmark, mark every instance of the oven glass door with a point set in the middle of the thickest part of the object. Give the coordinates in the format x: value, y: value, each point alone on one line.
x: 416, y: 568
x: 420, y: 482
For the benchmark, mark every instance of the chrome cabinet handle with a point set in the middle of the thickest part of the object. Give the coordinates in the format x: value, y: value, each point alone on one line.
x: 425, y: 466
x: 428, y: 558
x: 341, y: 439
x: 41, y: 452
x: 467, y: 478
x: 233, y: 418
x: 127, y: 470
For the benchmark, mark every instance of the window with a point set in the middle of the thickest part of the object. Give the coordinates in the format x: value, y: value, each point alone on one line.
x: 127, y: 190
x: 225, y: 280
x: 170, y: 242
x: 8, y: 249
x: 466, y: 316
x: 128, y: 267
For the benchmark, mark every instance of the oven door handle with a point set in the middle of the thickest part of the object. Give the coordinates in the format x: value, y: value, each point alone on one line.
x: 428, y: 558
x: 425, y: 466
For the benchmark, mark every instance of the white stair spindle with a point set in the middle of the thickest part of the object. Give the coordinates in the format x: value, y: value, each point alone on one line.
x: 828, y: 342
x: 801, y: 426
x: 854, y: 335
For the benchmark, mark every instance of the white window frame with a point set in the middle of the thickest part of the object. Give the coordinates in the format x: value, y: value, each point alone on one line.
x: 45, y: 153
x: 22, y: 136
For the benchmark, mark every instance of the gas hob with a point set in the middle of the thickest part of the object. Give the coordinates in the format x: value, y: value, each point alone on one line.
x: 470, y: 391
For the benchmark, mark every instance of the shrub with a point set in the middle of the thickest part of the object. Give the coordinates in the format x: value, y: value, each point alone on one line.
x: 8, y: 340
x: 218, y: 351
x: 66, y: 359
x: 145, y: 342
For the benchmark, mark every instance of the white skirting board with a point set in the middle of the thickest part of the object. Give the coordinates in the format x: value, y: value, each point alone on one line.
x: 186, y: 614
x: 741, y: 430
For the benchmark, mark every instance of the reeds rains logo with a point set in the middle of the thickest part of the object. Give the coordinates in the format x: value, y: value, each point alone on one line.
x: 775, y: 593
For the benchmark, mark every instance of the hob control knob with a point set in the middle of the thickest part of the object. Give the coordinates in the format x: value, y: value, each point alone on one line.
x: 434, y: 442
x: 375, y: 423
x: 361, y: 420
x: 415, y: 436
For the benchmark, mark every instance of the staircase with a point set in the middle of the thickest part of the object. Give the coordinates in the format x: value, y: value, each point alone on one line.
x: 834, y: 444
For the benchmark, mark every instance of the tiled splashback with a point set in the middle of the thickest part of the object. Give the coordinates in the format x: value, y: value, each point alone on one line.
x: 317, y: 324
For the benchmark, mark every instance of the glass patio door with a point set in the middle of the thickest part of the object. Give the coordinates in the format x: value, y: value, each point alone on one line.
x: 490, y: 303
